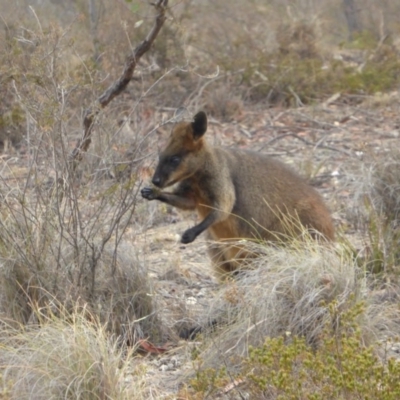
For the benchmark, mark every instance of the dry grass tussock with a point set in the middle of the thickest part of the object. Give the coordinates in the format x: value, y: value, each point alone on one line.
x: 70, y: 356
x: 385, y: 186
x: 376, y: 183
x: 295, y: 290
x: 376, y: 209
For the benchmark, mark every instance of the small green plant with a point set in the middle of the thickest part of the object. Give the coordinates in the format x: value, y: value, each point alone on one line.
x: 209, y: 381
x: 364, y: 40
x: 341, y: 367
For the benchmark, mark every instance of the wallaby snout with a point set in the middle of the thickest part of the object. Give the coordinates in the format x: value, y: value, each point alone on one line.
x: 156, y: 181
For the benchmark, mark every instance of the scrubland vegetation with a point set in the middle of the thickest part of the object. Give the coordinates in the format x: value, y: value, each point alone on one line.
x: 93, y: 287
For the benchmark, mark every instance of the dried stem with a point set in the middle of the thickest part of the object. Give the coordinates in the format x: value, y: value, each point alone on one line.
x: 118, y: 86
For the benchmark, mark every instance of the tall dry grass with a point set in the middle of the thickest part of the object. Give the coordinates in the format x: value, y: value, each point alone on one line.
x: 70, y: 356
x: 375, y: 185
x: 289, y: 291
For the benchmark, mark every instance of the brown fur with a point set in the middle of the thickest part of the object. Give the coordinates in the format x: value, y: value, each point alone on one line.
x: 237, y: 194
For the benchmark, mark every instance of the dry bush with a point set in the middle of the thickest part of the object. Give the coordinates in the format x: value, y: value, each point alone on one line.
x: 67, y: 243
x: 12, y: 117
x: 42, y: 266
x: 222, y: 104
x: 299, y: 38
x: 70, y: 356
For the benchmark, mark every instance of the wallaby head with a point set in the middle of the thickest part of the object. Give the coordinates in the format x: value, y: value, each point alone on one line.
x: 179, y: 160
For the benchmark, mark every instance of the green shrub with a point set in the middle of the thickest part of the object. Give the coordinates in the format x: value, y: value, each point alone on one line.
x: 340, y: 368
x: 286, y: 367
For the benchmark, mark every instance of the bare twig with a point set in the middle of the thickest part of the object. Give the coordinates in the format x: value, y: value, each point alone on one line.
x: 331, y: 100
x: 299, y: 103
x: 118, y: 86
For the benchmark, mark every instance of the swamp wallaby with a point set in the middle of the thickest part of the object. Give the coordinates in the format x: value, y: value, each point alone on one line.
x: 237, y: 194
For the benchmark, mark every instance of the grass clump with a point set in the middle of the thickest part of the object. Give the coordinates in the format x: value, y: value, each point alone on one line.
x: 378, y: 213
x: 287, y: 288
x: 67, y: 357
x: 298, y: 324
x: 379, y: 72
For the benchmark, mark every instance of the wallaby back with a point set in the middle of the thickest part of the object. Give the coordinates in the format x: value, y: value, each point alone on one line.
x: 238, y: 194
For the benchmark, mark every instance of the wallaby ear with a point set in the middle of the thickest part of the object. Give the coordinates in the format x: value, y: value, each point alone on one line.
x: 199, y: 125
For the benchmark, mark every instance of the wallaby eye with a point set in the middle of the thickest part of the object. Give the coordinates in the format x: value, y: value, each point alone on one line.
x: 175, y: 160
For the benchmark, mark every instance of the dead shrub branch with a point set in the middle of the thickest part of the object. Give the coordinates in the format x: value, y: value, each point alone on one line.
x: 118, y: 86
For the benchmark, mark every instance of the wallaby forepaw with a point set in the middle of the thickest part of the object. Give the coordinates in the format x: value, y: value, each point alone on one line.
x: 188, y: 236
x: 148, y: 193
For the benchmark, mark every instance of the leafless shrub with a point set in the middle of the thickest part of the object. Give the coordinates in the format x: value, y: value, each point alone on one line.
x: 62, y: 246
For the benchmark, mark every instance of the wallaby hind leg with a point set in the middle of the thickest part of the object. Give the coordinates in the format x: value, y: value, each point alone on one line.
x: 229, y: 258
x: 217, y: 256
x: 222, y: 265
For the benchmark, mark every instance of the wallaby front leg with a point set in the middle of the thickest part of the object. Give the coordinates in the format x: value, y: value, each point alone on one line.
x: 192, y: 233
x: 182, y: 201
x: 219, y: 212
